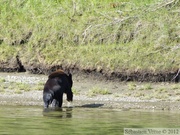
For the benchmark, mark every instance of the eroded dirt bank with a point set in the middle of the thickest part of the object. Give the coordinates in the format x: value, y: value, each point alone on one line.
x: 15, y: 65
x: 93, y: 92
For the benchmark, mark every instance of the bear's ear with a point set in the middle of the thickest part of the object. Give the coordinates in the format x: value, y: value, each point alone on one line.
x: 68, y: 72
x: 70, y: 75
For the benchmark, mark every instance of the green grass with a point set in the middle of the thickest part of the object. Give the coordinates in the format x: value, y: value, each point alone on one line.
x: 175, y: 87
x: 2, y: 80
x: 151, y: 91
x: 18, y: 91
x: 39, y: 86
x: 113, y: 35
x: 23, y: 86
x: 98, y: 91
x: 75, y: 91
x: 19, y: 87
x: 2, y: 88
x: 131, y: 86
x: 146, y: 86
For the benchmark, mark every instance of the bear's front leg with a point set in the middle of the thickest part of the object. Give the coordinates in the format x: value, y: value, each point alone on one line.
x: 47, y: 98
x: 69, y: 94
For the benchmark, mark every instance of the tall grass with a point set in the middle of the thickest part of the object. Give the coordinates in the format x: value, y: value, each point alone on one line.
x: 113, y: 35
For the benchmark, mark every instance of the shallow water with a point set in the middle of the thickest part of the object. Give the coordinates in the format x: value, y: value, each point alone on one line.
x: 33, y: 120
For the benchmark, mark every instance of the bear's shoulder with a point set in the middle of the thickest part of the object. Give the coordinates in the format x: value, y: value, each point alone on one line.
x: 57, y: 73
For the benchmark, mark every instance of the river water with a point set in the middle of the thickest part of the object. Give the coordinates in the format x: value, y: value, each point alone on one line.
x: 33, y: 120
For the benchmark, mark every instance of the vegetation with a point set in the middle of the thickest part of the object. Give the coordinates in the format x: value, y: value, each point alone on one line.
x: 75, y: 91
x: 19, y: 87
x: 98, y: 91
x: 111, y: 35
x: 151, y: 91
x: 2, y: 80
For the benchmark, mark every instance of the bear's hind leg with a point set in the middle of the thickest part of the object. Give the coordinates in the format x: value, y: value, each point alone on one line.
x: 55, y: 103
x: 60, y: 100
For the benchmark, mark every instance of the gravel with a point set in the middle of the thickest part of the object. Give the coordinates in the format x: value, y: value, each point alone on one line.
x: 82, y: 84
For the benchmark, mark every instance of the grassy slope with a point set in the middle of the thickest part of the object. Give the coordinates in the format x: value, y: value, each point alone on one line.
x: 117, y: 35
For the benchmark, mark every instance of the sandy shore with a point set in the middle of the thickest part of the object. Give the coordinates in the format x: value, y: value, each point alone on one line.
x: 122, y: 95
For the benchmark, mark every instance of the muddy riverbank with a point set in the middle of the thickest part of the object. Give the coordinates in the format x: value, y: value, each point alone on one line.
x: 91, y: 91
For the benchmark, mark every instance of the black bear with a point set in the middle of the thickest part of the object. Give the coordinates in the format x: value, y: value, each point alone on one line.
x: 58, y: 83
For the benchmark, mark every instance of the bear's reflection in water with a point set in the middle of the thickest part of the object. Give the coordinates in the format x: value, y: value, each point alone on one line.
x: 58, y: 112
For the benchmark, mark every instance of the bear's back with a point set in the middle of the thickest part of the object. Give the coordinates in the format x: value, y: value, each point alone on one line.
x: 57, y: 73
